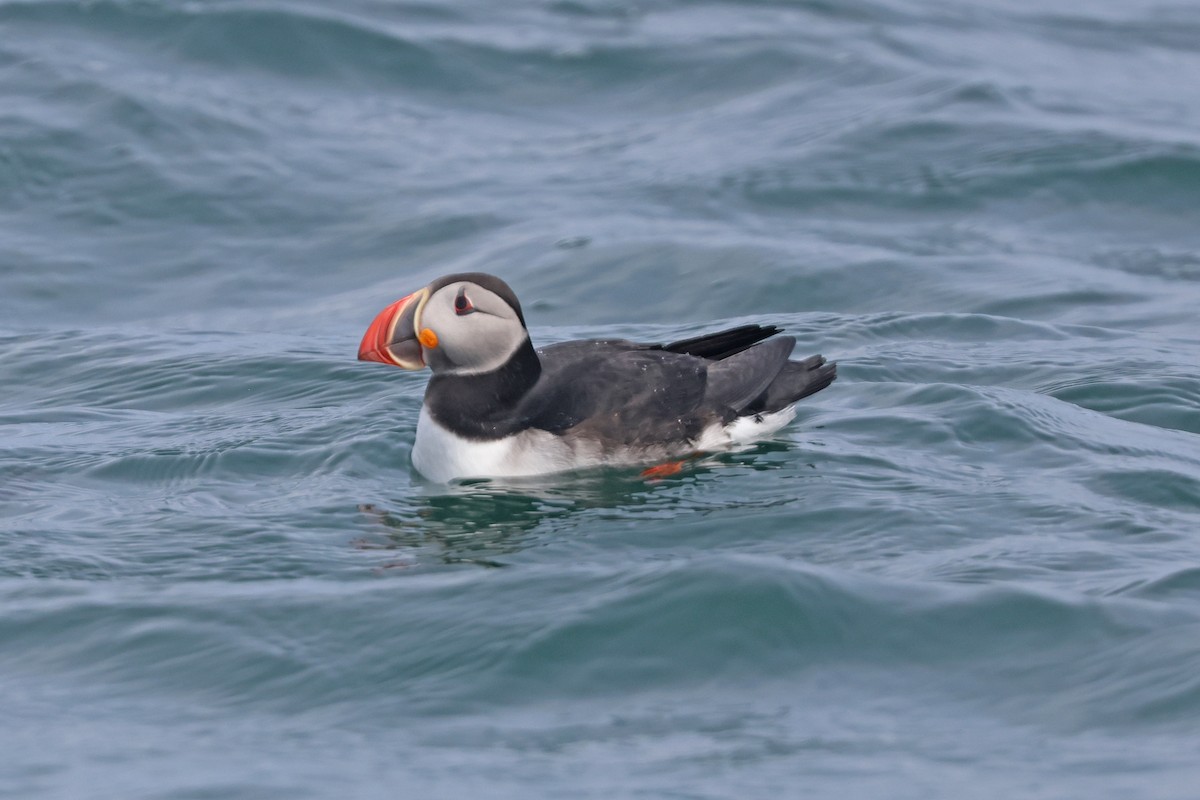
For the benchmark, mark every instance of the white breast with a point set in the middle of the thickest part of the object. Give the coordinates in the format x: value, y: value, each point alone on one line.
x: 442, y: 455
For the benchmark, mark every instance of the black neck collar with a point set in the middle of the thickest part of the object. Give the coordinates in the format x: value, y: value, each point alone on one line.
x: 484, y: 405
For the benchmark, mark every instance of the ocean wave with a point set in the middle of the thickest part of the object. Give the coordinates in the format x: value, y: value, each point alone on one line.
x: 704, y: 622
x: 955, y: 164
x: 302, y: 41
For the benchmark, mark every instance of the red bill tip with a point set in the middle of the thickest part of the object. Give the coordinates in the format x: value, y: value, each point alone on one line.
x: 378, y: 338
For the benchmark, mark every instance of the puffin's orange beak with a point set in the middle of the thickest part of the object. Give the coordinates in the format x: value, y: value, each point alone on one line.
x: 392, y: 337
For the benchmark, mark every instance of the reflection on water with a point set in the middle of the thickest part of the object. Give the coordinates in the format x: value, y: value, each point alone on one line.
x: 480, y: 521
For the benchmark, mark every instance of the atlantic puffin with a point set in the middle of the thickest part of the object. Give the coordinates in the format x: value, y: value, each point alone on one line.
x: 498, y: 407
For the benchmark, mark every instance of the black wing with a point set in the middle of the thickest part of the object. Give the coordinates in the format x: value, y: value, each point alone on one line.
x: 722, y: 344
x: 633, y: 393
x: 740, y: 379
x: 619, y: 391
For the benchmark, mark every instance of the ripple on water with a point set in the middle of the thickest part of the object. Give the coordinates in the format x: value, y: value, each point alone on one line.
x: 969, y: 562
x: 260, y: 648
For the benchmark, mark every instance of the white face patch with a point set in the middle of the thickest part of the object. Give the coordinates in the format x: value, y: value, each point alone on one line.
x: 476, y: 330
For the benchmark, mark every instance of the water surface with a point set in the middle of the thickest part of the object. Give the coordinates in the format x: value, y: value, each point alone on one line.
x: 970, y: 568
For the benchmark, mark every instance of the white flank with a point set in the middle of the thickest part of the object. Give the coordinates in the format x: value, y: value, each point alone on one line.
x: 745, y: 430
x: 442, y: 456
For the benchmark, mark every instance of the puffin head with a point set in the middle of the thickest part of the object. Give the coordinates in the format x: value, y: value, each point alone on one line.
x: 462, y: 324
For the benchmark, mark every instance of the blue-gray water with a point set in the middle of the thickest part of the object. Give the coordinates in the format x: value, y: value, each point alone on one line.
x: 971, y: 568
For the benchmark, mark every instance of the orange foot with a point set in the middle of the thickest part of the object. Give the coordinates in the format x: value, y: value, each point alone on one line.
x: 663, y: 470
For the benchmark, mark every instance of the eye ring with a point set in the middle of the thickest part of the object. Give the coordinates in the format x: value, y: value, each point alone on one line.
x: 463, y: 304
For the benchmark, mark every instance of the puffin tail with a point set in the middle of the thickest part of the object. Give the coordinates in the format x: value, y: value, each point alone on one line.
x: 732, y: 382
x: 797, y: 380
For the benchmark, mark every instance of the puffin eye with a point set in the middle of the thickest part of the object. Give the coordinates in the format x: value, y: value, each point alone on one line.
x: 463, y: 304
